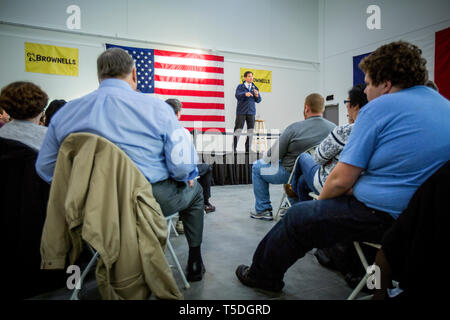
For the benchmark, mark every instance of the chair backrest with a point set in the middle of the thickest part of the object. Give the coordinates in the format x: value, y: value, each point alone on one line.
x: 23, y: 200
x: 311, y: 150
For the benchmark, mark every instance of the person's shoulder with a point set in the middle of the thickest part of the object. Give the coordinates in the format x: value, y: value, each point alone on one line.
x: 329, y: 123
x: 343, y: 129
x: 295, y: 124
x: 149, y: 98
x: 322, y: 121
x: 40, y: 128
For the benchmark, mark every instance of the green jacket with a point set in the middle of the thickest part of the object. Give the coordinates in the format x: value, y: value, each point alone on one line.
x: 99, y: 195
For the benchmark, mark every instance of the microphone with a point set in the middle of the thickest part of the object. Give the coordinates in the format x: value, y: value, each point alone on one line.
x: 252, y: 87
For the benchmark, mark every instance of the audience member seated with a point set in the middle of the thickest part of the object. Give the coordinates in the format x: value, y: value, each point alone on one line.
x: 53, y: 106
x: 204, y: 169
x: 146, y: 129
x: 400, y: 139
x: 24, y: 102
x: 277, y: 164
x: 4, y: 117
x: 24, y: 194
x: 311, y: 172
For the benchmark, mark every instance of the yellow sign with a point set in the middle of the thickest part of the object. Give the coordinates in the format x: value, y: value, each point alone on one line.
x: 42, y: 58
x: 261, y: 78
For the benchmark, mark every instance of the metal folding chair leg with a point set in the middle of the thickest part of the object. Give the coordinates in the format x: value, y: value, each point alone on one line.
x: 280, y: 207
x: 83, y: 275
x: 365, y: 264
x: 358, y: 288
x: 177, y: 263
x: 170, y: 225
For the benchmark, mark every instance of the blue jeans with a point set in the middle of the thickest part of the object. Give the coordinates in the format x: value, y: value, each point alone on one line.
x: 262, y: 175
x: 303, y: 177
x: 315, y: 224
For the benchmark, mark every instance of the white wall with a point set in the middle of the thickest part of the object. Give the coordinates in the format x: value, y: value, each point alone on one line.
x: 283, y: 38
x: 344, y: 34
x: 273, y: 28
x: 307, y: 44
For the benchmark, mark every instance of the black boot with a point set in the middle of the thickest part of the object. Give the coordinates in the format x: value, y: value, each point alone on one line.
x: 195, y: 268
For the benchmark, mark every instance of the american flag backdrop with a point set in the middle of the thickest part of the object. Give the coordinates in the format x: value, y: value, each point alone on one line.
x: 197, y: 80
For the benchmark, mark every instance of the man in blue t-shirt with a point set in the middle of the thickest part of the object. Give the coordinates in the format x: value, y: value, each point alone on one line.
x: 400, y: 138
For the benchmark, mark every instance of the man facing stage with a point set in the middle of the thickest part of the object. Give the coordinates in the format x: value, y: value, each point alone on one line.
x: 246, y: 94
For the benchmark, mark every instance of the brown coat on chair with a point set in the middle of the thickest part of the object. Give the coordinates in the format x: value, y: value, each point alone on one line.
x: 99, y: 195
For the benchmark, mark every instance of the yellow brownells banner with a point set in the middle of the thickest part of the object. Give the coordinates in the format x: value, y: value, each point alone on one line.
x: 42, y: 58
x: 261, y: 78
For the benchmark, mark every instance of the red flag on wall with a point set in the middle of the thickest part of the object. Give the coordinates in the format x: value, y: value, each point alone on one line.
x: 442, y: 62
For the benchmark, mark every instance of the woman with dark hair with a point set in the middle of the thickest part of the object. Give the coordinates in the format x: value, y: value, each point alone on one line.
x: 311, y: 172
x: 24, y: 102
x: 54, y: 106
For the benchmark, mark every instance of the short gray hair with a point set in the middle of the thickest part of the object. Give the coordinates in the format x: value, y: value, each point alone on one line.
x: 114, y: 63
x: 175, y: 104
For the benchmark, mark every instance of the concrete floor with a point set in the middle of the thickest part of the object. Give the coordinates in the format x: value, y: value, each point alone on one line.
x: 230, y: 238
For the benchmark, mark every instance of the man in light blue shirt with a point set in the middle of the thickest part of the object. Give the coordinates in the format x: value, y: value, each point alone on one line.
x: 146, y: 129
x: 400, y: 138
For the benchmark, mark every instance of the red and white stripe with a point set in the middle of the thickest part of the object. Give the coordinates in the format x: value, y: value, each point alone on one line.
x: 197, y: 80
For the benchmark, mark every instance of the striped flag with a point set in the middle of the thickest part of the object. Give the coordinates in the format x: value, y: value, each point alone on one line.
x: 197, y: 80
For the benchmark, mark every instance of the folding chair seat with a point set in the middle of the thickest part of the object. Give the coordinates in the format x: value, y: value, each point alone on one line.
x: 285, y: 203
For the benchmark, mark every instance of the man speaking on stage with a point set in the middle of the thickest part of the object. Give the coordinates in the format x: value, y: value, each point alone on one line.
x: 246, y: 94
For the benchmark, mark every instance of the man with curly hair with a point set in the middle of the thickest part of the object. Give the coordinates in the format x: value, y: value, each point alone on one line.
x: 24, y: 102
x: 400, y: 138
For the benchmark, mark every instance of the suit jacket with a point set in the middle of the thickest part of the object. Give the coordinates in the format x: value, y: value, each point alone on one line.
x: 246, y: 105
x: 99, y: 195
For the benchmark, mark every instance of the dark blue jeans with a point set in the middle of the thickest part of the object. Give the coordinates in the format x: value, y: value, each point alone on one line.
x: 315, y: 224
x: 303, y: 177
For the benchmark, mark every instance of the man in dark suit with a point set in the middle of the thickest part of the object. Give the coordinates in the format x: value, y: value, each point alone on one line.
x: 247, y: 94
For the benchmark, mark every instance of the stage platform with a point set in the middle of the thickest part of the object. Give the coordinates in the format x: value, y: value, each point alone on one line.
x: 230, y: 168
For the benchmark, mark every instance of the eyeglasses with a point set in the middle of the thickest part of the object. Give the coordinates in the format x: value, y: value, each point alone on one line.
x: 346, y: 101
